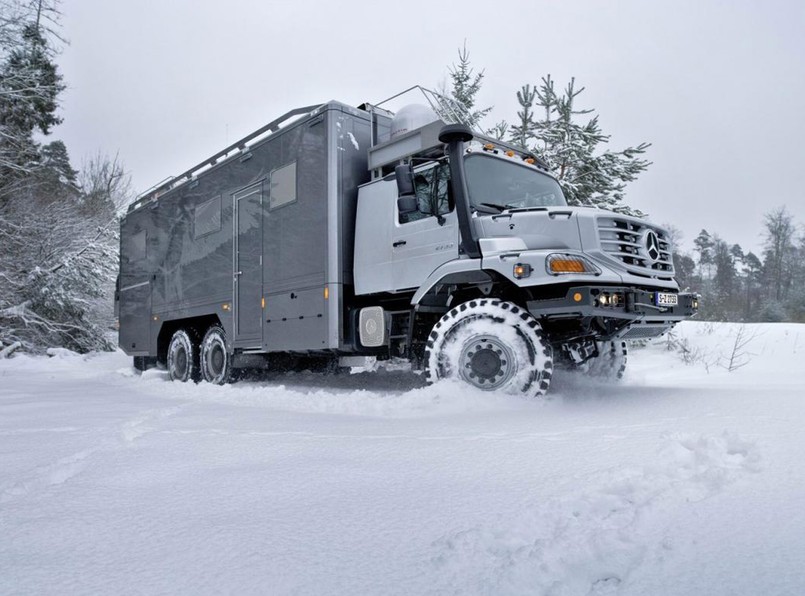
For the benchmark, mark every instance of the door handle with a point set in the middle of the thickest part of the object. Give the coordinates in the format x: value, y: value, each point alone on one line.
x: 238, y: 273
x: 399, y: 243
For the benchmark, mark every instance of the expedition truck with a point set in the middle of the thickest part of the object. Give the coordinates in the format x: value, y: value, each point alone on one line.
x: 345, y: 233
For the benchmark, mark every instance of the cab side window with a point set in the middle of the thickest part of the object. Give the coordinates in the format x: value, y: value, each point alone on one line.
x: 433, y: 193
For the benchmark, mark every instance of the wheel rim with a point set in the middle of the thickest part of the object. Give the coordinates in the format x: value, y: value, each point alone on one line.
x: 486, y: 362
x: 180, y: 363
x: 217, y: 359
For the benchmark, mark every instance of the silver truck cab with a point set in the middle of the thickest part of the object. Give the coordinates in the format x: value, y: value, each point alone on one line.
x: 467, y: 230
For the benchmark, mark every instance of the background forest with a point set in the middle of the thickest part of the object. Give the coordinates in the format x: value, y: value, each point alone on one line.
x: 735, y: 285
x: 59, y: 224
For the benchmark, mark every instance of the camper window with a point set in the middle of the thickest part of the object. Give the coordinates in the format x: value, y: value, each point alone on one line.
x: 282, y: 186
x: 207, y: 217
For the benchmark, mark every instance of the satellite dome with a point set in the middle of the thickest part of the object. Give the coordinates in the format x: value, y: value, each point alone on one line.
x: 410, y: 118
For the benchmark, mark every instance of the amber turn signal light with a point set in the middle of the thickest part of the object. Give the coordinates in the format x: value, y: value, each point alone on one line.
x: 563, y: 264
x: 521, y: 270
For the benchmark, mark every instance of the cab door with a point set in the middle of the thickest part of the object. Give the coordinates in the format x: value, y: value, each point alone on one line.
x: 429, y: 237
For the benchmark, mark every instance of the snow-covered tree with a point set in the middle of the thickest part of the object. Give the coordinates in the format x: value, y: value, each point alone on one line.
x: 59, y: 261
x: 523, y: 132
x: 753, y: 284
x: 464, y: 86
x: 58, y: 228
x: 29, y: 85
x: 569, y: 139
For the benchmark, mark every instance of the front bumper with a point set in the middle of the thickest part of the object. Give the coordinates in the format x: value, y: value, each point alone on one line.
x: 631, y: 313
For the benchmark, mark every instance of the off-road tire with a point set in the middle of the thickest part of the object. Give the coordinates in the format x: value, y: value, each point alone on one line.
x: 609, y: 365
x: 216, y: 361
x: 492, y: 345
x: 183, y: 356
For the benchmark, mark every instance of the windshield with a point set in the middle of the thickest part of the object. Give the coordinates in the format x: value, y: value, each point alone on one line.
x: 496, y: 185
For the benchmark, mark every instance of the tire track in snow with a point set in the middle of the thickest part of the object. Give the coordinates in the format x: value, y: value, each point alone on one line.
x: 588, y: 543
x: 139, y: 426
x: 65, y: 468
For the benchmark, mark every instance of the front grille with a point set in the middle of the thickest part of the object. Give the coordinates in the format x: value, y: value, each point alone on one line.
x: 643, y: 249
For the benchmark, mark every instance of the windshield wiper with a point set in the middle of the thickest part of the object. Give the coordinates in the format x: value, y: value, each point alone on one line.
x: 500, y: 208
x: 520, y: 209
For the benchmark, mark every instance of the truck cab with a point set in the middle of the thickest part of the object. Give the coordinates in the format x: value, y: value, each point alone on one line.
x: 467, y: 230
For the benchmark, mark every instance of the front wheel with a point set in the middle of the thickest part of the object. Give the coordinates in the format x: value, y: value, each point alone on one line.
x: 216, y: 362
x: 492, y: 345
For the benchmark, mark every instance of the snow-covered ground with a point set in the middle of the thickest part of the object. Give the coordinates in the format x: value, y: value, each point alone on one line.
x: 684, y: 479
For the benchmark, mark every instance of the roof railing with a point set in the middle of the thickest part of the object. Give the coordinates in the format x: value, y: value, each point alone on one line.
x: 239, y: 146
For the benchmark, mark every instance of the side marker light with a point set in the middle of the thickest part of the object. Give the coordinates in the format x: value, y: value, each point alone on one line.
x: 521, y: 270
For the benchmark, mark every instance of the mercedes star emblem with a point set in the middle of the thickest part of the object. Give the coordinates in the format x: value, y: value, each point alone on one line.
x: 653, y: 245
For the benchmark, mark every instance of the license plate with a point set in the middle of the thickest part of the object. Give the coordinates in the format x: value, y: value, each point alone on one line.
x: 665, y: 299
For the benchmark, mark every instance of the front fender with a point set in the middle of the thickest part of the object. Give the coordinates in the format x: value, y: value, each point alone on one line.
x: 504, y: 262
x: 452, y: 272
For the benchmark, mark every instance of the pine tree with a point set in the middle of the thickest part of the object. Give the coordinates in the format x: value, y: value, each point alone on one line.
x: 29, y: 87
x: 588, y: 176
x: 499, y: 130
x: 54, y: 171
x: 753, y: 274
x: 465, y: 84
x: 523, y: 131
x: 725, y: 280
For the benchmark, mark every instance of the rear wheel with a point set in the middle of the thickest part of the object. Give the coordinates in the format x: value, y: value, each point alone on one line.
x: 610, y: 364
x: 492, y: 345
x: 216, y: 361
x: 183, y: 356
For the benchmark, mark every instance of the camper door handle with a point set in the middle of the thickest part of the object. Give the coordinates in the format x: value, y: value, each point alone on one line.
x: 399, y: 243
x: 238, y: 273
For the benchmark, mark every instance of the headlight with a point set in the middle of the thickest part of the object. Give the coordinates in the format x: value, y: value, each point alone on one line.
x: 564, y: 264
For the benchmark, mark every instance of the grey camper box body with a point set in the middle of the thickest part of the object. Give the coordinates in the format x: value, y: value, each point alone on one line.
x: 261, y: 241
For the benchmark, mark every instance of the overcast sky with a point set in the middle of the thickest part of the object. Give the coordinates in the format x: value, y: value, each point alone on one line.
x: 718, y: 88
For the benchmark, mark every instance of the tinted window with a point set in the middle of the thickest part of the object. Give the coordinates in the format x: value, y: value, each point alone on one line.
x: 282, y: 186
x: 135, y: 247
x: 433, y: 193
x: 207, y: 218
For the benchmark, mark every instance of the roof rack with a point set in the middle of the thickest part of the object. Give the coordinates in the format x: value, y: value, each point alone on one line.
x: 446, y: 108
x: 172, y: 182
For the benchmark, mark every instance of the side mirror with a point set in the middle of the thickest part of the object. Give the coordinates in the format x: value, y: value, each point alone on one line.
x: 406, y: 201
x: 407, y: 204
x: 405, y: 180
